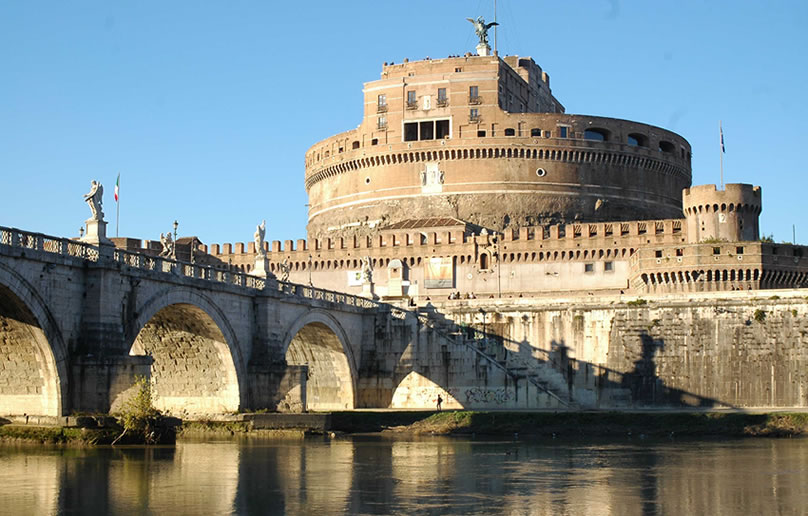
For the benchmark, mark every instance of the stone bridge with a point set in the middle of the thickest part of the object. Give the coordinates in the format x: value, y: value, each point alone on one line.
x: 79, y: 323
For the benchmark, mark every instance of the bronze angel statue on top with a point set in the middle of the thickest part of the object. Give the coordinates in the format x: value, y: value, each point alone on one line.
x: 481, y: 28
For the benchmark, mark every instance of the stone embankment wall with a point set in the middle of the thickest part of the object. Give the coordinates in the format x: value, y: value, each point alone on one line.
x: 734, y: 349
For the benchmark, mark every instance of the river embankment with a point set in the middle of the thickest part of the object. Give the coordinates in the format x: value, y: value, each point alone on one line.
x: 556, y: 425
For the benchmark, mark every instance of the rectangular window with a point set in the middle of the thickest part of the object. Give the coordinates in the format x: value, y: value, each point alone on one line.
x: 382, y: 122
x: 382, y: 100
x: 411, y: 132
x: 658, y: 254
x: 441, y: 93
x: 608, y: 266
x: 536, y: 133
x: 474, y: 95
x: 739, y: 250
x: 427, y: 131
x: 679, y: 252
x: 441, y: 129
x: 563, y: 132
x: 411, y: 101
x: 474, y: 115
x: 716, y: 250
x: 589, y: 267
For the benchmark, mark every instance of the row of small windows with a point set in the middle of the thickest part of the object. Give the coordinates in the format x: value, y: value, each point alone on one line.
x: 412, y: 99
x: 484, y: 258
x: 608, y: 158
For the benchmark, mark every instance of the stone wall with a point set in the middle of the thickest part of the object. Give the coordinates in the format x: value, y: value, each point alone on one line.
x: 704, y: 350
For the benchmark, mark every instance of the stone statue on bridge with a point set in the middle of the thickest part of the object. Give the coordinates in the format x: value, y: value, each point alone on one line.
x: 168, y: 245
x: 260, y: 234
x: 95, y: 199
x: 284, y: 269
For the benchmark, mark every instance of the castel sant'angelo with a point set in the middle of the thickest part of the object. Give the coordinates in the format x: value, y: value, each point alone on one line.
x: 466, y: 177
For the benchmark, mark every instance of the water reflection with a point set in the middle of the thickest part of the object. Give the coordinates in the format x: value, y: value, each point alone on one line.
x: 369, y: 475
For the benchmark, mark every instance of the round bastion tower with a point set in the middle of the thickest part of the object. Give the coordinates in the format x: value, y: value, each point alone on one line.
x: 729, y: 215
x: 483, y: 139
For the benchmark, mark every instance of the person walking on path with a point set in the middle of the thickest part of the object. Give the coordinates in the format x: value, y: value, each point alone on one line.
x: 440, y: 400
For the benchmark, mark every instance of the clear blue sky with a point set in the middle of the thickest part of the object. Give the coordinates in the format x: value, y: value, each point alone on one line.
x: 207, y: 108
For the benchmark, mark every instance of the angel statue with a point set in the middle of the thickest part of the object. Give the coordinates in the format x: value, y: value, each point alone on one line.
x: 168, y: 245
x: 367, y: 269
x: 481, y: 28
x: 95, y: 199
x: 260, y: 233
x: 284, y: 268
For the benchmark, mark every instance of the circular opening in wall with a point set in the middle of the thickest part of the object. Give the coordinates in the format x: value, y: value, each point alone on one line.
x: 367, y: 180
x: 541, y: 172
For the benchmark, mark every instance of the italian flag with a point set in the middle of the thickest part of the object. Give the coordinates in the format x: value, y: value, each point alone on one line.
x: 117, y: 186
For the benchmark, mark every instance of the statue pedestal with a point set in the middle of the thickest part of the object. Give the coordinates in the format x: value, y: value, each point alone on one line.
x: 483, y: 49
x: 261, y: 269
x: 367, y: 290
x: 96, y: 233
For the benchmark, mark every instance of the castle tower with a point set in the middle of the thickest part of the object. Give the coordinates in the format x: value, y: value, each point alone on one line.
x: 730, y: 214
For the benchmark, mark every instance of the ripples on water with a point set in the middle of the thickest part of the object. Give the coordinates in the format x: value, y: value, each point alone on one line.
x: 377, y: 475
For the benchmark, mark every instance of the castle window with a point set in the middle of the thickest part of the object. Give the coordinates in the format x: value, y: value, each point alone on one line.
x: 481, y: 134
x: 381, y: 103
x: 563, y: 131
x: 374, y: 141
x: 474, y: 95
x: 427, y: 131
x: 680, y: 252
x: 608, y: 266
x: 458, y: 70
x: 658, y: 253
x: 536, y: 133
x: 355, y: 145
x: 510, y: 132
x: 382, y: 122
x: 739, y: 250
x: 442, y: 99
x: 600, y: 135
x: 411, y: 100
x: 411, y: 132
x: 637, y: 140
x: 474, y: 115
x: 666, y: 147
x: 716, y: 251
x: 441, y: 129
x: 589, y: 267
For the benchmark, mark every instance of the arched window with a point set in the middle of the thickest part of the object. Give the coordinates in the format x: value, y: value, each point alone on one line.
x: 637, y: 140
x: 666, y: 147
x: 601, y: 135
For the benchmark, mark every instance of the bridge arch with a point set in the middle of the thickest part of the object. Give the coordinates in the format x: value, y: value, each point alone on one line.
x: 318, y: 340
x: 33, y: 370
x: 197, y: 367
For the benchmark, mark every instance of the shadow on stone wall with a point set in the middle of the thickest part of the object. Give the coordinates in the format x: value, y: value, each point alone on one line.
x: 583, y: 384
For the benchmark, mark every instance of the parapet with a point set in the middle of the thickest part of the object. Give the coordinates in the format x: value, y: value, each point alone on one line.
x: 709, y: 197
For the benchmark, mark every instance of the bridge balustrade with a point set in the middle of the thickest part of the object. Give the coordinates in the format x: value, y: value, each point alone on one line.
x: 77, y: 249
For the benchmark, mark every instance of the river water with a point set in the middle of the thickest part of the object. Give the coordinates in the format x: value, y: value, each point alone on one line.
x: 434, y: 475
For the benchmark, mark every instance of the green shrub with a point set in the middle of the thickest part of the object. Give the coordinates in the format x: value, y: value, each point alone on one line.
x: 138, y: 416
x: 760, y: 315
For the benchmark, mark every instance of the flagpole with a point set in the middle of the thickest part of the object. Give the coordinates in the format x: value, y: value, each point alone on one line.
x: 117, y: 204
x: 721, y: 151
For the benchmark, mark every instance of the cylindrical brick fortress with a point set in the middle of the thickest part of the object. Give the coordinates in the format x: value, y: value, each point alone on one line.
x: 727, y: 215
x: 436, y: 141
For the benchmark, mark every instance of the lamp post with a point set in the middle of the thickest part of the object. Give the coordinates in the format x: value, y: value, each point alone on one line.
x: 174, y: 249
